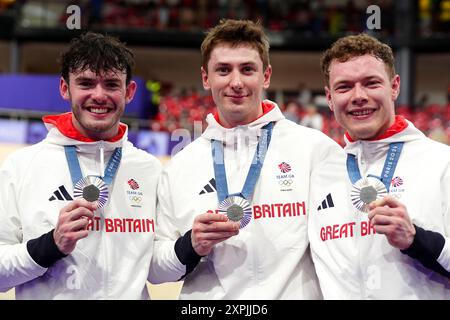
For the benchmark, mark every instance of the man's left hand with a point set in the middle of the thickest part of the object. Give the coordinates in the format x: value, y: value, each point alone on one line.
x: 389, y: 216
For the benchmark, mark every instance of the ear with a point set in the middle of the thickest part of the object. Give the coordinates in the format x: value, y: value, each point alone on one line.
x: 395, y: 86
x: 267, y: 75
x: 64, y: 89
x: 329, y: 101
x: 205, y: 80
x: 130, y: 91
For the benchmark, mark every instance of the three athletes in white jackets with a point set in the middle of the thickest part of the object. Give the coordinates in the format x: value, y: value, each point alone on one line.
x: 367, y: 246
x: 264, y: 253
x: 53, y: 243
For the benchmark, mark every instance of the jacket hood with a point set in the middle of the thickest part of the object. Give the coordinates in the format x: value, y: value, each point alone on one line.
x: 61, y: 131
x: 215, y: 131
x: 401, y: 131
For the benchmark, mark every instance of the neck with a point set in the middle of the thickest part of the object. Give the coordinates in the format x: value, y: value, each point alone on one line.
x: 230, y: 122
x: 105, y: 135
x: 397, y: 125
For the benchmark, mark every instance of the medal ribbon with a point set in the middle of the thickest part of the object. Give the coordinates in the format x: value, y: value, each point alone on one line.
x: 253, y: 172
x: 75, y: 169
x: 388, y: 169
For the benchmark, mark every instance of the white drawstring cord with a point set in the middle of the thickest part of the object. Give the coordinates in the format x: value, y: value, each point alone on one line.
x: 102, y: 159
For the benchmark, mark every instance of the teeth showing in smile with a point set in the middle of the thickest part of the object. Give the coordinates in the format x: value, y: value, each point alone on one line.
x: 361, y: 113
x: 99, y: 110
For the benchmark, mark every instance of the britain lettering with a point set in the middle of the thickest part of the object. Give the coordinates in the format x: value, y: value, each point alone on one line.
x: 121, y: 225
x: 346, y: 230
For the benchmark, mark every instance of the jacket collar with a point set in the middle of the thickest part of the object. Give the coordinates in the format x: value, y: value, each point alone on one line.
x: 401, y: 131
x: 63, y: 122
x: 266, y: 107
x: 271, y: 113
x: 62, y: 132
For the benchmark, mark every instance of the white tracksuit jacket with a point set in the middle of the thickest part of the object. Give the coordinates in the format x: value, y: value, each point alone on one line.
x: 353, y: 262
x: 269, y: 258
x: 112, y: 262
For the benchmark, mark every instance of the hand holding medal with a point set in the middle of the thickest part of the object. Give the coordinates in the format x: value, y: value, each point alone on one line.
x: 72, y: 222
x: 389, y: 216
x: 236, y: 206
x: 368, y: 189
x: 210, y: 229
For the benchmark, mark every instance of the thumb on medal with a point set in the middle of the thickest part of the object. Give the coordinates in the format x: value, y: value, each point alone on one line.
x: 389, y: 201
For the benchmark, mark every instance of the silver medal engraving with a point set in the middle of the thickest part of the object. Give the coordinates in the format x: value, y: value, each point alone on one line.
x: 365, y: 191
x: 92, y: 188
x: 236, y: 209
x: 91, y: 193
x: 235, y: 212
x: 368, y: 194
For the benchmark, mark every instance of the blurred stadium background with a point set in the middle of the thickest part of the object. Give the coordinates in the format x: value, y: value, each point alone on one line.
x: 165, y: 36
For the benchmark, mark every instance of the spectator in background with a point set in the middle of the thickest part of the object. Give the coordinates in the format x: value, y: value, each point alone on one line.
x: 291, y: 112
x: 392, y: 240
x: 312, y: 118
x: 304, y: 95
x: 77, y: 210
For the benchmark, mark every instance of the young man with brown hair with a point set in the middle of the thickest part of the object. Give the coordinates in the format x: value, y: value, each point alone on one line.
x: 387, y: 236
x: 77, y: 210
x: 233, y: 205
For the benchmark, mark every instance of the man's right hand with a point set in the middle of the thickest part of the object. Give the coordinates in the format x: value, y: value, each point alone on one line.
x: 72, y: 222
x: 209, y: 229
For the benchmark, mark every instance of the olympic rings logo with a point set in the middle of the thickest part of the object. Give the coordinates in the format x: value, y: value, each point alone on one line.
x: 135, y: 199
x: 286, y: 182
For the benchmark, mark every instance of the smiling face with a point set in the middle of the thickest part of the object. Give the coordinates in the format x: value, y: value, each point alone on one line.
x: 361, y: 94
x: 236, y: 78
x: 98, y: 101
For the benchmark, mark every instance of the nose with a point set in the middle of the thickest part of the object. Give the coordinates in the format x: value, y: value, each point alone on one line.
x: 98, y: 94
x: 236, y: 80
x: 359, y: 96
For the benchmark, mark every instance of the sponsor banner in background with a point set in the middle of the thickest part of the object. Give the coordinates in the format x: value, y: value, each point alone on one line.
x: 13, y: 131
x: 156, y: 143
x: 36, y: 132
x: 24, y: 132
x: 42, y: 95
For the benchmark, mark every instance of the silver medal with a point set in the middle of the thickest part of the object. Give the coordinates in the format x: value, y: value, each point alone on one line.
x: 236, y: 209
x: 92, y: 188
x: 235, y: 212
x: 365, y: 191
x: 91, y: 193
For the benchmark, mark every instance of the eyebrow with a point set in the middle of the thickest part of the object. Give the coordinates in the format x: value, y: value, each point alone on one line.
x: 247, y: 63
x: 83, y: 78
x: 343, y: 81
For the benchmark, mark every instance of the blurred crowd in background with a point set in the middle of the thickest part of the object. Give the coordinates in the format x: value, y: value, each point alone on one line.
x: 181, y: 108
x: 174, y: 107
x: 309, y: 17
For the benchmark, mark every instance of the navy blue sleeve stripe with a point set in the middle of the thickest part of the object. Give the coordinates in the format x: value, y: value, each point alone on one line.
x: 44, y: 251
x: 186, y: 253
x: 426, y: 248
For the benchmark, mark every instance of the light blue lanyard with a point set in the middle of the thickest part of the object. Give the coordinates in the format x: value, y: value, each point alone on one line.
x: 75, y: 169
x: 388, y: 169
x: 253, y: 172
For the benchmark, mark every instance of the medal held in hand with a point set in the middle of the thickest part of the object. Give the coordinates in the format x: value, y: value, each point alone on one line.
x: 236, y: 209
x: 92, y: 188
x: 366, y: 190
x: 371, y: 188
x: 236, y: 206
